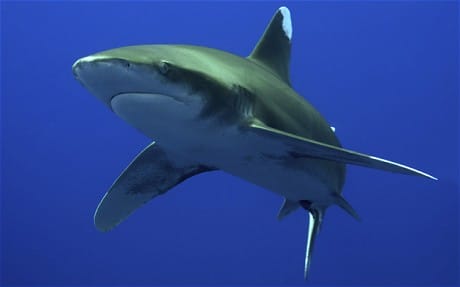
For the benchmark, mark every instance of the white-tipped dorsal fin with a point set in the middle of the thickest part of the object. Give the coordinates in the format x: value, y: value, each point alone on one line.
x: 287, y: 23
x: 273, y: 50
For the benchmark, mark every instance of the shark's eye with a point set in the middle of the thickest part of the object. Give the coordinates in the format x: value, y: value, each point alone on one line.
x: 164, y: 67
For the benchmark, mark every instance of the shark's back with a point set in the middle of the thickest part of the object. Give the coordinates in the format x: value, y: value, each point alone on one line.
x: 276, y: 103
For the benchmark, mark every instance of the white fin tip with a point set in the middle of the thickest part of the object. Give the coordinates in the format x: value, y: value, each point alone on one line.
x: 287, y: 24
x: 413, y: 170
x: 308, y: 247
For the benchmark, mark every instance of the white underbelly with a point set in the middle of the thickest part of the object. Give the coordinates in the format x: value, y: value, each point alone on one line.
x: 178, y: 128
x: 249, y: 157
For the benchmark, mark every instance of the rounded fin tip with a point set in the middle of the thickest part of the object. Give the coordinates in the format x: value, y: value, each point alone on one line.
x: 287, y: 23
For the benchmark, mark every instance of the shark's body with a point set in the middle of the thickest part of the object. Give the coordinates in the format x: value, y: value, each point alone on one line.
x: 208, y: 109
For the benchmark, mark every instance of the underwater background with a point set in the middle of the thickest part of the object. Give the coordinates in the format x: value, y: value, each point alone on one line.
x: 384, y: 74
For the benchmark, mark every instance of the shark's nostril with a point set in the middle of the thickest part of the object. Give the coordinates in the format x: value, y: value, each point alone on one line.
x: 125, y: 64
x: 75, y: 72
x: 76, y: 69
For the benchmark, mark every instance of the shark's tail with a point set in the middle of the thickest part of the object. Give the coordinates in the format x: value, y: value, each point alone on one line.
x: 316, y: 214
x: 314, y: 225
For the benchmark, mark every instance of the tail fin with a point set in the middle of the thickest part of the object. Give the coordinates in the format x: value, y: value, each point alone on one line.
x: 316, y: 214
x: 314, y: 224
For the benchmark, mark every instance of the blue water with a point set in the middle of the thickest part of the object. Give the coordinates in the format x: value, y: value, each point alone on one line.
x: 384, y: 74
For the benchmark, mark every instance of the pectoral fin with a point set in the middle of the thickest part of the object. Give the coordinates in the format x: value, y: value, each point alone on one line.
x: 151, y: 173
x: 299, y: 147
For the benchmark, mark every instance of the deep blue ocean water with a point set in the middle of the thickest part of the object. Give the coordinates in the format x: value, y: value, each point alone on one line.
x: 384, y: 74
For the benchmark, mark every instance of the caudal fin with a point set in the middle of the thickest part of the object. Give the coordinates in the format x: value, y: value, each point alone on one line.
x: 314, y: 224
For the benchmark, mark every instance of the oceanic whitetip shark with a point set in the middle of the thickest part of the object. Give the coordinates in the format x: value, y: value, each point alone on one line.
x: 209, y: 110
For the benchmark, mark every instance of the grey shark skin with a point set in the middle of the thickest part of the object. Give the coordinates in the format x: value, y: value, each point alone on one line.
x: 210, y: 110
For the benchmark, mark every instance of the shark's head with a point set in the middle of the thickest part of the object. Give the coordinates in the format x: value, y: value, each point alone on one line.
x: 150, y: 86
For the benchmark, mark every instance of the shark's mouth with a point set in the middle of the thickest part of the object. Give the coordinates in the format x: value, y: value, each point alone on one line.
x: 153, y: 114
x: 150, y: 105
x: 139, y: 96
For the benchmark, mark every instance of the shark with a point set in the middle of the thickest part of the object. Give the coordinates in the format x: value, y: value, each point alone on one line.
x: 206, y: 109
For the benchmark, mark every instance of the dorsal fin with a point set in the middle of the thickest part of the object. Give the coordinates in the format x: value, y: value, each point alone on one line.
x: 274, y: 47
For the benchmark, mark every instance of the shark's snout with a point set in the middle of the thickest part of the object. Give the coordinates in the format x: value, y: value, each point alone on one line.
x: 105, y: 77
x: 84, y: 64
x: 140, y: 93
x: 98, y: 76
x: 89, y: 68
